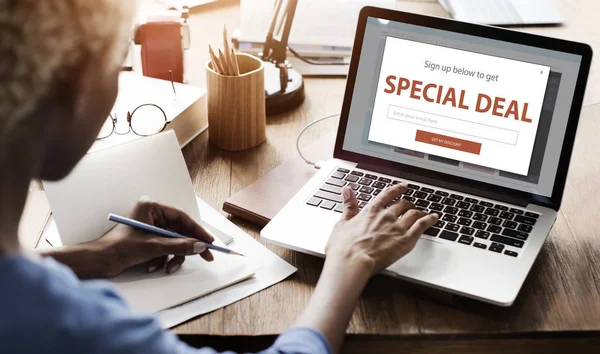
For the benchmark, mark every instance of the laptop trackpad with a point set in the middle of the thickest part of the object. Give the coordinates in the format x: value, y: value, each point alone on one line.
x: 428, y: 256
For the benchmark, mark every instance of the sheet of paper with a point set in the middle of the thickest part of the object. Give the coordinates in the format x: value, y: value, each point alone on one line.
x: 272, y: 270
x: 316, y: 22
x: 152, y: 292
x: 113, y: 180
x: 34, y: 219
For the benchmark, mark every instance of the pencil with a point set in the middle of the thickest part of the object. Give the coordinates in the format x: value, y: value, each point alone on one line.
x: 227, y: 51
x: 217, y: 66
x: 236, y: 66
x: 224, y: 63
x: 165, y: 233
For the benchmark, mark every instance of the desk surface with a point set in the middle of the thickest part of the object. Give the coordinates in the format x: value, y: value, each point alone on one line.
x: 561, y: 294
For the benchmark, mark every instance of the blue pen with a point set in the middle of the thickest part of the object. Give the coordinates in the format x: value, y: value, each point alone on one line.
x: 165, y: 233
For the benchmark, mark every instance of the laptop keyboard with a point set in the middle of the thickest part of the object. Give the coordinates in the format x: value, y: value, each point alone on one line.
x: 465, y: 220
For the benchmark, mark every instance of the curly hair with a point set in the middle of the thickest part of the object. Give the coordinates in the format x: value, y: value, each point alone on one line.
x: 41, y: 40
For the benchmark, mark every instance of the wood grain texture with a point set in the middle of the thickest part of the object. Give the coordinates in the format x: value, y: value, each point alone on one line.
x: 236, y: 105
x: 560, y: 298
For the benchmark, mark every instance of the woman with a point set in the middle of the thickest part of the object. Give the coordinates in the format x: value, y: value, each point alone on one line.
x: 59, y: 64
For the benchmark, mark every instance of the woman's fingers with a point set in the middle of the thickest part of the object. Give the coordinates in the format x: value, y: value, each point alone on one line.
x: 387, y: 196
x: 421, y: 224
x: 401, y: 207
x: 174, y: 264
x: 157, y: 263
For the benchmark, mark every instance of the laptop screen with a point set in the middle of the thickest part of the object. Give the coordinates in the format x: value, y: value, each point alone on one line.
x: 478, y: 108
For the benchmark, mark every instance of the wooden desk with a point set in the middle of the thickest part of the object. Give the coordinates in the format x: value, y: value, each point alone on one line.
x: 558, y: 309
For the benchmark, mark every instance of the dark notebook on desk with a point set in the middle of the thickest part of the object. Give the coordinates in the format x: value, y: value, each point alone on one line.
x: 262, y: 200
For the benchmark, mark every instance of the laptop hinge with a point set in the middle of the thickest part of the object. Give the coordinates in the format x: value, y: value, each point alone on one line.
x: 499, y: 196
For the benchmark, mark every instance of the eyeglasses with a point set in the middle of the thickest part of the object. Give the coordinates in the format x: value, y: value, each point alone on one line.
x: 147, y: 119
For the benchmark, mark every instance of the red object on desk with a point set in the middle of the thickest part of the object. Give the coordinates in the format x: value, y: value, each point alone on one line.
x: 162, y: 50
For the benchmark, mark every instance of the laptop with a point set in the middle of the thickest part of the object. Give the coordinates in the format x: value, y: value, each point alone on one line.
x: 478, y: 121
x: 505, y: 12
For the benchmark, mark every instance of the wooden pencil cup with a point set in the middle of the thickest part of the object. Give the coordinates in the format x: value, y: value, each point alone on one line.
x: 236, y: 105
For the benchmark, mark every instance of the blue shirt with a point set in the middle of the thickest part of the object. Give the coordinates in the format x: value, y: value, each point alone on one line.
x: 45, y: 308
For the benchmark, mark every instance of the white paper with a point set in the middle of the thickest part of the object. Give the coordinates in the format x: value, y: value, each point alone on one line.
x: 272, y: 271
x: 113, y: 180
x: 152, y: 292
x: 316, y: 22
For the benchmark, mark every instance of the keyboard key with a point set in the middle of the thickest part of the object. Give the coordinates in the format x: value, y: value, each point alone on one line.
x: 507, y: 241
x: 314, y: 201
x: 379, y: 185
x: 422, y: 203
x: 482, y: 234
x: 511, y: 253
x: 532, y: 215
x: 501, y: 207
x: 492, y: 212
x: 370, y: 176
x: 463, y: 205
x: 385, y: 180
x: 336, y: 182
x: 495, y: 221
x: 479, y: 225
x: 339, y: 208
x: 410, y: 199
x: 376, y: 192
x: 477, y: 208
x: 465, y: 213
x: 479, y: 245
x: 357, y: 173
x: 466, y: 240
x: 464, y: 222
x: 327, y: 205
x: 432, y: 231
x: 494, y: 229
x: 524, y: 228
x: 440, y: 223
x: 434, y: 198
x: 467, y: 230
x: 420, y: 195
x: 471, y: 200
x: 366, y: 189
x: 409, y: 192
x: 352, y: 178
x: 439, y: 213
x: 510, y: 224
x: 525, y: 220
x: 449, y: 201
x: 452, y: 227
x: 414, y: 186
x: 364, y: 197
x: 496, y: 247
x: 362, y: 204
x: 421, y: 209
x: 486, y: 204
x: 329, y: 196
x: 516, y: 234
x: 480, y: 217
x: 450, y: 210
x: 447, y: 235
x: 395, y: 182
x: 354, y: 186
x: 457, y: 197
x: 516, y: 211
x: 338, y: 175
x: 506, y: 215
x: 427, y: 190
x: 343, y: 170
x: 436, y: 207
x: 442, y: 193
x: 331, y: 189
x: 365, y: 181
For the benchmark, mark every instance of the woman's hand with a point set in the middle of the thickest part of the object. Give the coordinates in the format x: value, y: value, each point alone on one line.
x: 383, y: 232
x: 125, y: 247
x: 360, y: 245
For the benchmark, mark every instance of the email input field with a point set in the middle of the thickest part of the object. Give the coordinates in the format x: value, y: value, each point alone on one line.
x: 453, y: 125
